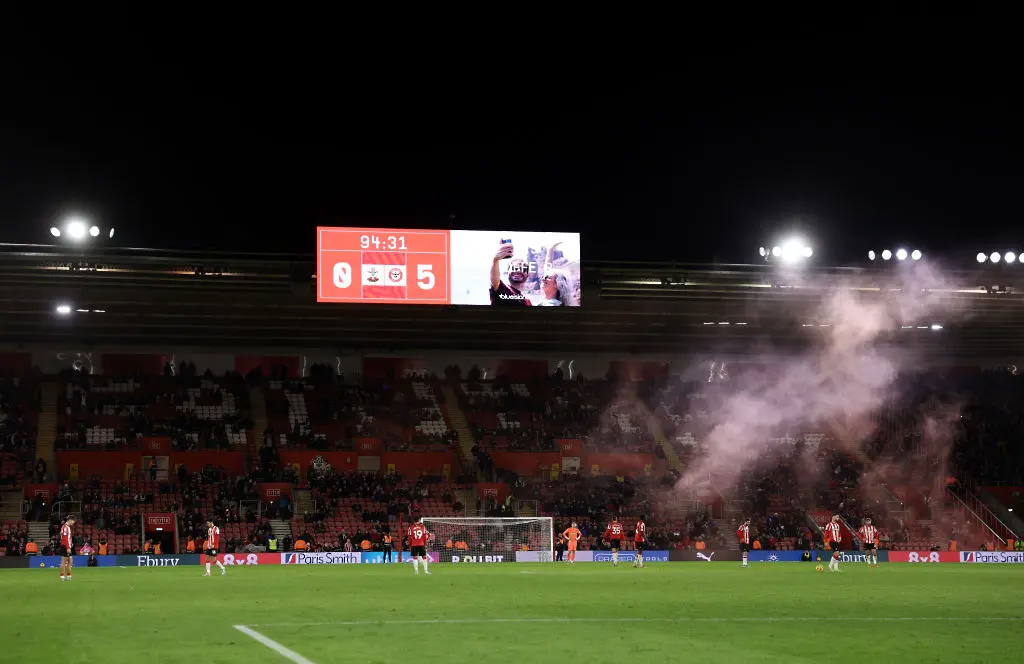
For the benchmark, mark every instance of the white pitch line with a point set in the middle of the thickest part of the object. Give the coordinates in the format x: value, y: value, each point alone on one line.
x: 273, y: 645
x: 761, y: 619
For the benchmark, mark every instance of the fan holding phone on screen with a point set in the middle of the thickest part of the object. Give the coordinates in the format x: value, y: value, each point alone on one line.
x: 511, y: 293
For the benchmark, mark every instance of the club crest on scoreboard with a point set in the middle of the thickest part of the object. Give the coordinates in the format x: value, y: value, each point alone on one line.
x: 384, y: 275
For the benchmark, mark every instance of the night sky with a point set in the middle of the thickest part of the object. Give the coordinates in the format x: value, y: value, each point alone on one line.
x: 856, y: 138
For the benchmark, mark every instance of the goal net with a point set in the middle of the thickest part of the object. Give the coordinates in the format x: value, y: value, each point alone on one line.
x: 490, y: 540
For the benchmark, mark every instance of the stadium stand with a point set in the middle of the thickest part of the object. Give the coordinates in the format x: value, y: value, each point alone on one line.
x: 576, y: 449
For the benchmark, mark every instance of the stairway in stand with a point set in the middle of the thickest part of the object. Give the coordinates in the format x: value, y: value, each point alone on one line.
x: 258, y: 413
x: 10, y: 505
x: 303, y: 501
x: 281, y: 530
x: 654, y: 426
x: 459, y: 423
x: 40, y: 532
x: 46, y: 428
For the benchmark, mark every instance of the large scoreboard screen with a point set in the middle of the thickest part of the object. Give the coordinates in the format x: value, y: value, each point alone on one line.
x: 406, y: 266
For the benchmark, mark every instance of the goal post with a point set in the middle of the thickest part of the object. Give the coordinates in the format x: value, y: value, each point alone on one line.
x: 468, y: 539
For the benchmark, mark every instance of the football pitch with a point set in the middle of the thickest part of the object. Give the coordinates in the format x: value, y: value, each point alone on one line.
x: 670, y: 612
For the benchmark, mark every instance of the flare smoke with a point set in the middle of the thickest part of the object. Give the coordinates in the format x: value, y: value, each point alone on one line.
x: 839, y: 385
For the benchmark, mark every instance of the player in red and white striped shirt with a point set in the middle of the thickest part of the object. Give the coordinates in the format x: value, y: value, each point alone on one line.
x: 869, y: 540
x: 212, y: 547
x: 418, y: 538
x: 834, y: 541
x: 639, y: 539
x: 743, y: 537
x: 67, y: 548
x: 613, y: 534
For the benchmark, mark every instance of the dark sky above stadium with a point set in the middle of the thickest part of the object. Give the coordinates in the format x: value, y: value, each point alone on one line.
x: 856, y: 135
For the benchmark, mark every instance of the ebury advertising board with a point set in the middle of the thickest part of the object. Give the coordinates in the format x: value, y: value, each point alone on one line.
x: 445, y: 267
x: 990, y: 557
x: 143, y: 560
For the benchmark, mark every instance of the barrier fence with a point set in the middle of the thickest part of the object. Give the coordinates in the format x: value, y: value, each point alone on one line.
x: 376, y: 557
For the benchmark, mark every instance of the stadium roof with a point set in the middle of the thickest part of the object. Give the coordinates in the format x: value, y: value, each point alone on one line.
x: 146, y: 297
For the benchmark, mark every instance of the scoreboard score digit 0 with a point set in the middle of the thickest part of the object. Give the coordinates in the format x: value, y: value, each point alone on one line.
x: 383, y: 265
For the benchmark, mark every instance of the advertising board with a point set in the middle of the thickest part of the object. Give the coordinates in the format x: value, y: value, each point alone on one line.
x: 76, y: 561
x: 445, y: 267
x: 763, y: 556
x: 546, y: 557
x: 14, y: 562
x: 483, y: 559
x: 166, y: 560
x: 321, y: 558
x: 377, y: 558
x: 990, y: 557
x: 924, y: 557
x: 249, y: 558
x: 629, y: 556
x: 593, y: 556
x: 705, y: 556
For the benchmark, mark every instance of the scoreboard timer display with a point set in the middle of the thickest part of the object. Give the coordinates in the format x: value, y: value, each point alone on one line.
x: 387, y: 266
x: 411, y: 266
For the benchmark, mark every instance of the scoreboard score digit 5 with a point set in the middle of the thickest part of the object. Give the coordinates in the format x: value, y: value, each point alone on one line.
x: 383, y: 265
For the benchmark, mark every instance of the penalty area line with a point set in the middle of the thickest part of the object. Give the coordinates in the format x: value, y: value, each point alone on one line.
x: 695, y: 619
x: 273, y: 645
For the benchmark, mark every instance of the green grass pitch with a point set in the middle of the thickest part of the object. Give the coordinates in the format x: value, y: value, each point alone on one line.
x: 670, y: 612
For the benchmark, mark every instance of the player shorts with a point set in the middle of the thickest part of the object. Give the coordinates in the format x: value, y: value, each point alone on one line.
x: 834, y: 546
x: 418, y: 551
x: 869, y: 546
x: 744, y: 548
x: 66, y: 552
x: 615, y: 544
x: 211, y: 553
x: 638, y: 546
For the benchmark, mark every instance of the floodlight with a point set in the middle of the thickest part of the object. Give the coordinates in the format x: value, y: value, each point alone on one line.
x: 54, y: 231
x: 1010, y: 256
x: 936, y: 327
x: 981, y: 257
x: 808, y: 252
x: 63, y: 309
x: 901, y: 254
x: 76, y: 229
x: 995, y: 257
x: 915, y: 255
x: 886, y: 255
x: 762, y: 251
x: 776, y: 251
x: 94, y: 231
x: 111, y: 233
x: 871, y: 255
